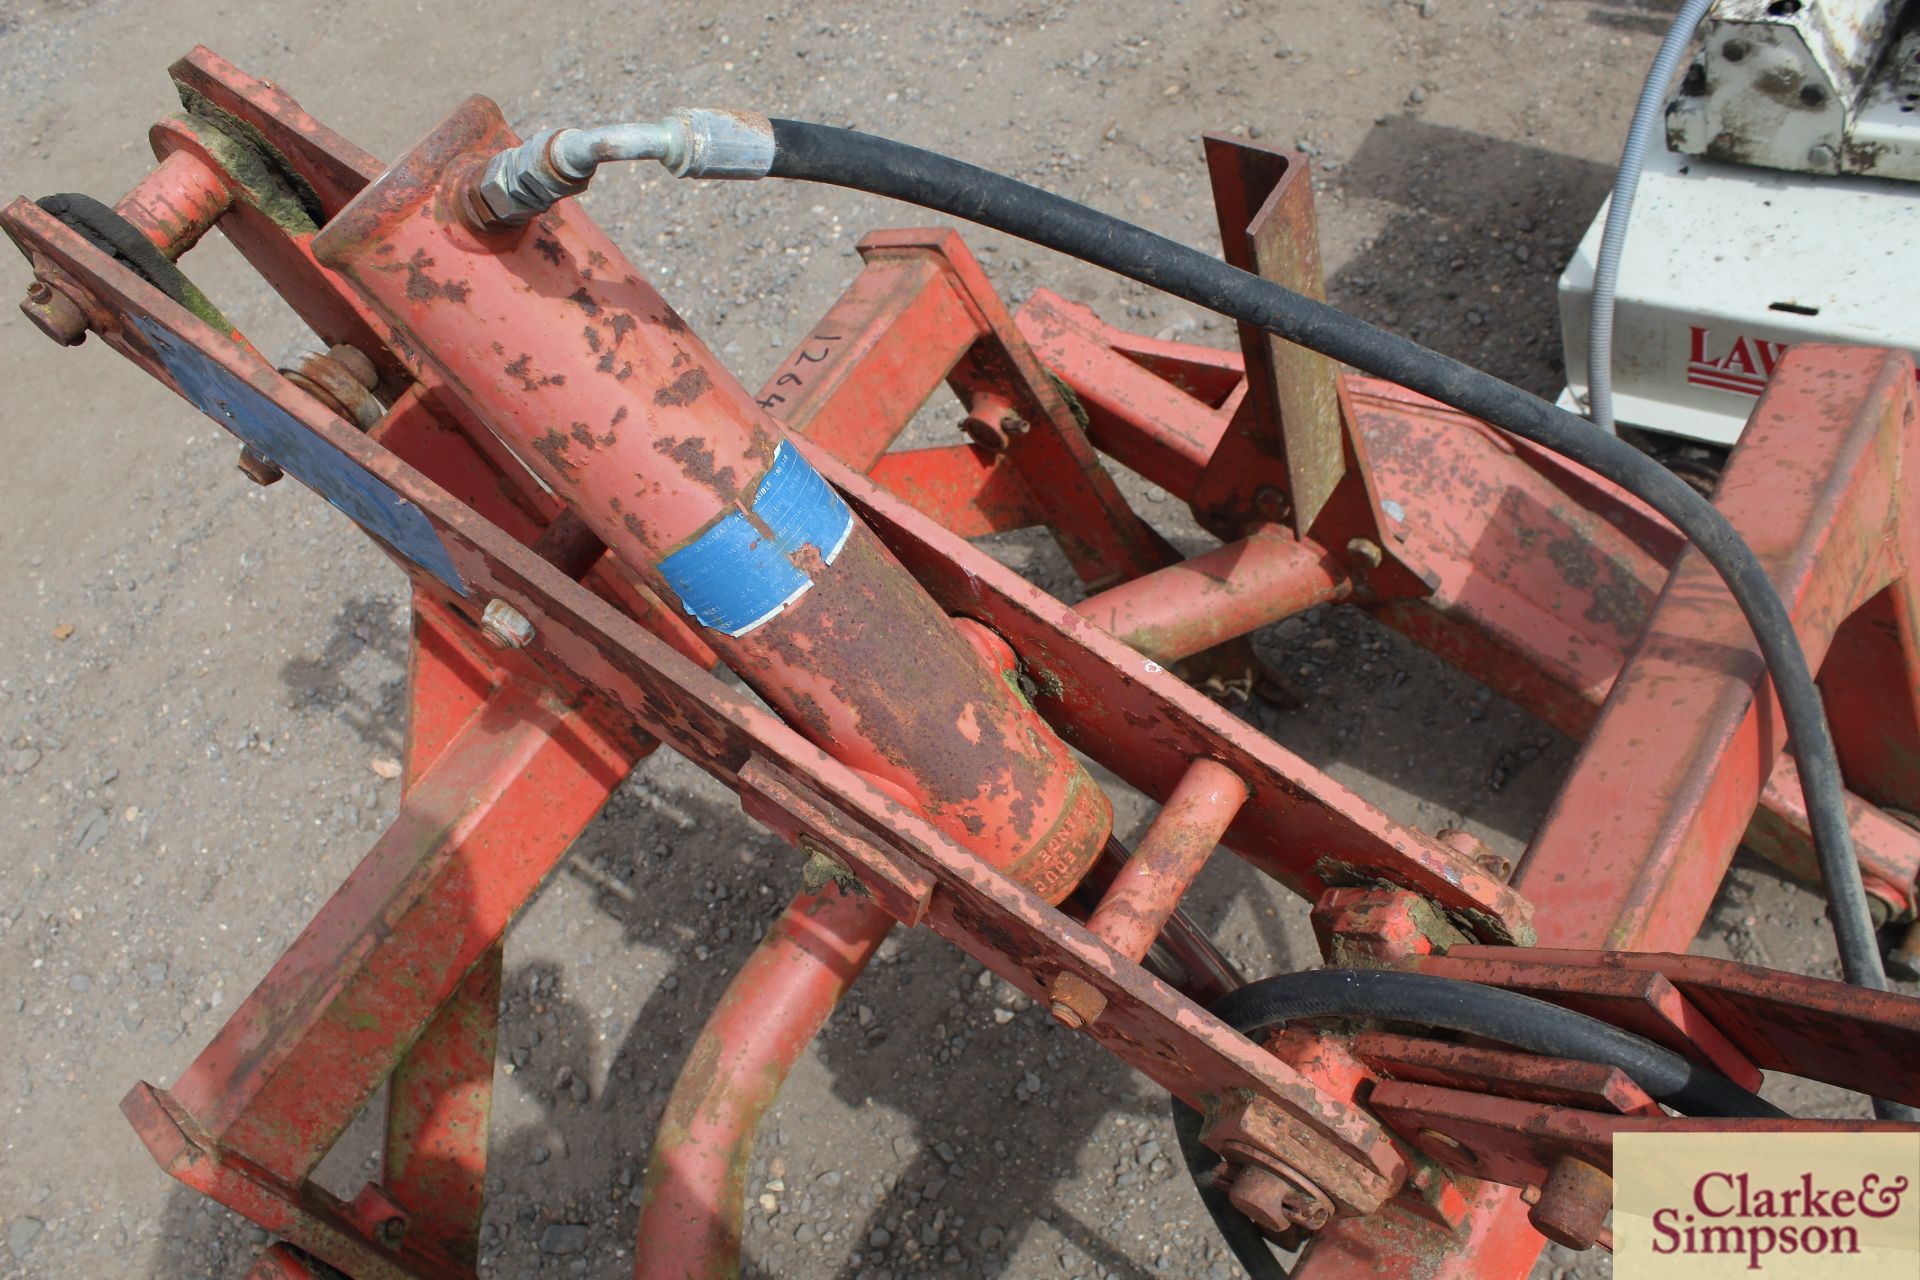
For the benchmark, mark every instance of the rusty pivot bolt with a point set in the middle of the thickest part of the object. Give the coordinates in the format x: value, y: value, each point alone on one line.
x: 54, y: 314
x: 257, y: 467
x: 505, y: 626
x: 1277, y: 1204
x: 1075, y: 1002
x: 1463, y: 841
x: 993, y: 430
x: 1573, y: 1205
x: 1365, y: 552
x: 1272, y: 504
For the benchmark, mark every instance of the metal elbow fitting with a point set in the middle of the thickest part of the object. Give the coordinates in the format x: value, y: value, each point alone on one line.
x: 523, y: 182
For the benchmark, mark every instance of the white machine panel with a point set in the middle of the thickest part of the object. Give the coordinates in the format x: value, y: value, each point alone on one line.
x: 1726, y: 266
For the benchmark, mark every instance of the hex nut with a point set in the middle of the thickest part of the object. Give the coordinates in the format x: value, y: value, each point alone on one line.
x: 1365, y: 552
x: 505, y: 626
x: 1074, y: 1002
x: 520, y: 183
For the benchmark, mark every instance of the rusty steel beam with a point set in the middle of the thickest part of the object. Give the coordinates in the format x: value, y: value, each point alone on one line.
x: 1523, y: 570
x: 1218, y: 595
x: 578, y: 637
x: 694, y: 1206
x: 1665, y: 785
x: 475, y: 835
x: 1181, y: 838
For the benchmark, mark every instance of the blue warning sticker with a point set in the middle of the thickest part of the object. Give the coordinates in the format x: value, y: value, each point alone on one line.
x: 276, y: 434
x: 734, y: 576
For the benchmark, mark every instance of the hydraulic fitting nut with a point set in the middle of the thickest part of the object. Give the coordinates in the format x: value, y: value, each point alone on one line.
x: 521, y: 183
x: 505, y: 626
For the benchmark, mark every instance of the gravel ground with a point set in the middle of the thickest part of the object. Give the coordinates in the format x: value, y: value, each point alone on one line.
x: 201, y: 681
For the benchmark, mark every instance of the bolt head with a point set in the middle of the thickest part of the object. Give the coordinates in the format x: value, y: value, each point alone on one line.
x: 54, y: 314
x: 1074, y: 1002
x: 1276, y: 1204
x: 258, y: 467
x: 505, y: 626
x: 1365, y: 552
x: 1573, y: 1205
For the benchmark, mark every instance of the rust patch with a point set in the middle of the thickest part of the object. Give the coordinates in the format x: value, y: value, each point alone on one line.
x: 422, y: 287
x: 696, y: 461
x: 584, y: 300
x: 549, y: 249
x: 553, y: 447
x: 685, y: 389
x: 522, y: 369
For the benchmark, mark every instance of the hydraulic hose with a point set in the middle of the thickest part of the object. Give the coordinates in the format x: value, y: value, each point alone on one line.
x: 1626, y: 184
x: 1469, y: 1008
x: 1453, y: 1005
x: 879, y: 166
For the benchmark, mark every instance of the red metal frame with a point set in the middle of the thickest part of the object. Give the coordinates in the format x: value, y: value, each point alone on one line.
x: 1524, y: 571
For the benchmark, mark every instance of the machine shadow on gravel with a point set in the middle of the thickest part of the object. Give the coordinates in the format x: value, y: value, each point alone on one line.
x: 374, y: 709
x: 1643, y: 17
x: 1469, y: 261
x: 583, y: 1159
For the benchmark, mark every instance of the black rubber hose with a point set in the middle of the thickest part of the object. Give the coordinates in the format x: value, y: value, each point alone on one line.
x: 1492, y: 1013
x: 862, y: 162
x: 1454, y: 1005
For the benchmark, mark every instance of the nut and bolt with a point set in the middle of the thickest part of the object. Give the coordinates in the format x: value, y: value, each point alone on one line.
x: 1276, y: 1203
x: 1573, y: 1205
x: 54, y: 314
x: 994, y: 428
x: 1074, y: 1002
x: 505, y: 626
x: 1822, y: 156
x: 1272, y: 504
x: 1365, y: 553
x: 257, y: 467
x: 391, y: 1231
x: 1475, y: 849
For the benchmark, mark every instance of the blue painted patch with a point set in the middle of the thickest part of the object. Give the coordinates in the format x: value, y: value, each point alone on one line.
x: 276, y: 434
x: 732, y: 577
x: 800, y: 506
